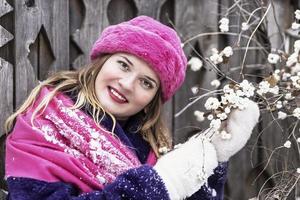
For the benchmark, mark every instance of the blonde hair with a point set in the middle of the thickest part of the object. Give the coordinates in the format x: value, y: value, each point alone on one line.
x: 153, y: 128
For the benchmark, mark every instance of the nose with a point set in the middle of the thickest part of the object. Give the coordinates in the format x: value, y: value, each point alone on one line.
x: 127, y: 82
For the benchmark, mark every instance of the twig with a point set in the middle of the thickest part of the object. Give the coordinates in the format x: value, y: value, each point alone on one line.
x: 251, y: 36
x: 194, y: 101
x: 220, y: 33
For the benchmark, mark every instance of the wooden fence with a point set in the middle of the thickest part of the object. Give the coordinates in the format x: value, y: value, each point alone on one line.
x: 41, y: 36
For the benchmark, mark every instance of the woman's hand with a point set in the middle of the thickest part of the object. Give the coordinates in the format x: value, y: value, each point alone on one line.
x: 185, y: 169
x: 239, y: 125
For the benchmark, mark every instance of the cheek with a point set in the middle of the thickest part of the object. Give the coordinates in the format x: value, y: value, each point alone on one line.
x: 103, y: 77
x: 98, y: 84
x: 144, y: 98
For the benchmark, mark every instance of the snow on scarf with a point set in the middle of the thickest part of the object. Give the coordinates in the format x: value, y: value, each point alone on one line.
x: 66, y: 145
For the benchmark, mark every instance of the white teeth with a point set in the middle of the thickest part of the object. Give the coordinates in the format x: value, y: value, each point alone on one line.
x: 117, y: 94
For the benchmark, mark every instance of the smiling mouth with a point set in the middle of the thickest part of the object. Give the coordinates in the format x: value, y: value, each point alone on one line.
x: 116, y: 96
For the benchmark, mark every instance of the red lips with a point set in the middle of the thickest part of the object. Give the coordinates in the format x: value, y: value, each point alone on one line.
x: 117, y: 96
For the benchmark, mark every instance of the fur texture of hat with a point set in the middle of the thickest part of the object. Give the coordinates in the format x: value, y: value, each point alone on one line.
x: 152, y: 41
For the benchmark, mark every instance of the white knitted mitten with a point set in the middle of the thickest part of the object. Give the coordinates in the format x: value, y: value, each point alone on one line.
x: 185, y: 169
x: 239, y: 125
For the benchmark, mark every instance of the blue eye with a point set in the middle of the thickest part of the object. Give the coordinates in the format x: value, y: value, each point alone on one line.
x: 123, y: 65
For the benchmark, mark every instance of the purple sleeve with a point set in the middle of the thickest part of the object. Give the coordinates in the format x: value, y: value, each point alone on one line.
x: 214, y: 190
x: 140, y: 183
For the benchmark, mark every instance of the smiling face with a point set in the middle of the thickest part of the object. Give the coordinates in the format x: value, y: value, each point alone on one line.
x: 125, y: 85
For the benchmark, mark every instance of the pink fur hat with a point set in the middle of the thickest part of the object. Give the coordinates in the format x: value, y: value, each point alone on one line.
x: 150, y: 40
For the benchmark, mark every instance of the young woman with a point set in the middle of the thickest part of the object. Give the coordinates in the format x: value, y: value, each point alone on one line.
x: 97, y: 133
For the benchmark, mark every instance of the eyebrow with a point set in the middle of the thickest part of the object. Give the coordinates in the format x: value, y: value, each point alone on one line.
x: 127, y: 60
x: 151, y: 79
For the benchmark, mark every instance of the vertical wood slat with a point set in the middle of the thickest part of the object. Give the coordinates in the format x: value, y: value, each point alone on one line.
x: 6, y: 71
x: 126, y: 10
x: 165, y: 14
x: 149, y: 8
x: 5, y: 7
x: 29, y: 19
x: 192, y: 18
x: 5, y: 36
x: 6, y: 82
x: 95, y: 20
x: 6, y: 109
x: 6, y: 78
x: 284, y: 13
x: 240, y: 170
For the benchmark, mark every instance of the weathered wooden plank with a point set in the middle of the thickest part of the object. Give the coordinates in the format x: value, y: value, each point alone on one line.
x: 283, y: 16
x: 6, y: 68
x: 5, y: 36
x: 29, y: 18
x: 240, y: 184
x: 279, y: 20
x: 6, y: 108
x: 126, y: 10
x: 76, y: 17
x: 192, y: 18
x: 166, y: 14
x: 94, y: 21
x: 6, y: 82
x: 149, y: 8
x: 5, y: 7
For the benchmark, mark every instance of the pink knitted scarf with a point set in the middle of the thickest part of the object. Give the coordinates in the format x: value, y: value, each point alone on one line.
x: 66, y: 145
